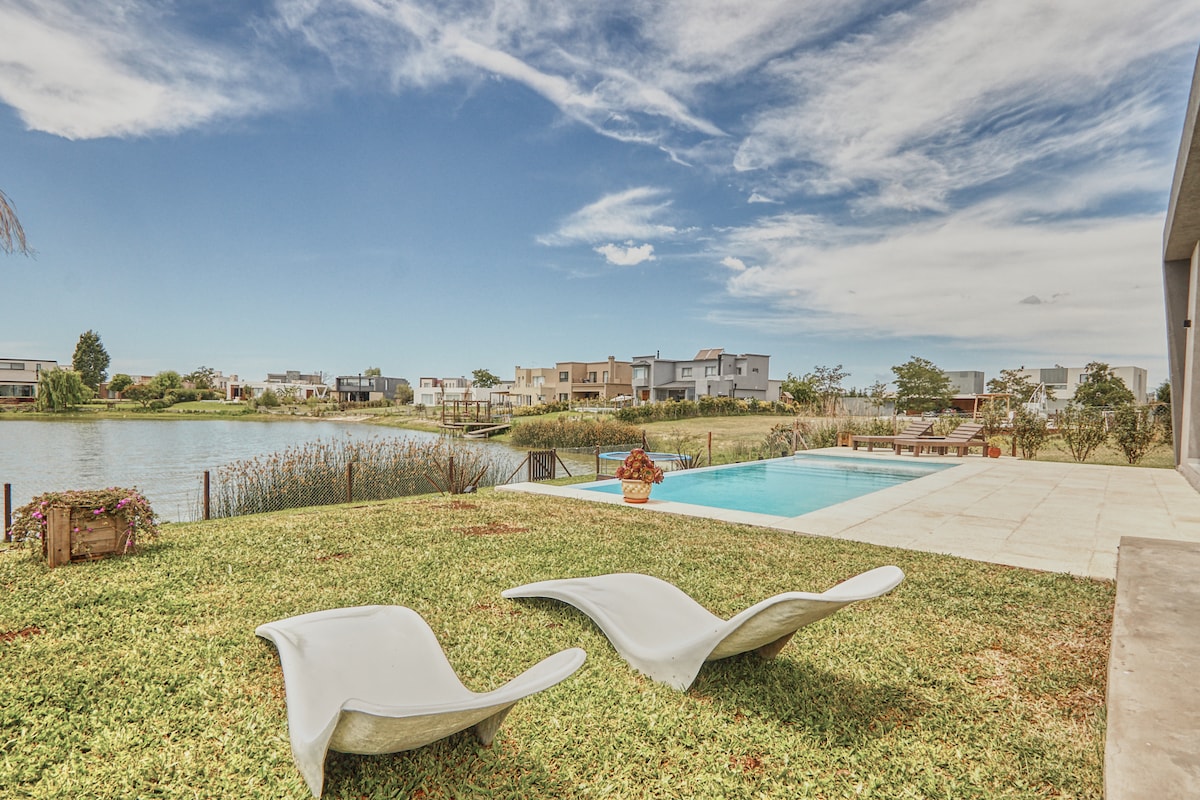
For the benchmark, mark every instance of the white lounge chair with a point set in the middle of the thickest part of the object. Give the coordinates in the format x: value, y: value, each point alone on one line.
x: 665, y: 634
x: 373, y: 679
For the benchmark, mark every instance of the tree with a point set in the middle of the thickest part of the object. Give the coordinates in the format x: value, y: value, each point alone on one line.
x: 877, y: 395
x: 1102, y: 388
x: 120, y: 382
x: 801, y: 390
x: 12, y: 235
x: 372, y: 372
x: 139, y: 393
x: 61, y: 390
x: 484, y: 379
x: 1162, y: 409
x: 90, y: 360
x: 404, y: 394
x: 827, y: 383
x: 201, y: 377
x: 164, y: 382
x: 921, y: 386
x: 1017, y: 384
x: 268, y: 399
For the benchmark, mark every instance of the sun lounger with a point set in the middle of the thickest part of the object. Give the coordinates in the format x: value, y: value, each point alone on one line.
x: 912, y: 430
x: 961, y: 439
x: 373, y: 679
x: 665, y: 634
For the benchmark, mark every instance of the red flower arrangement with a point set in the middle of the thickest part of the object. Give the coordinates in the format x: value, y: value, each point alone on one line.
x: 639, y: 467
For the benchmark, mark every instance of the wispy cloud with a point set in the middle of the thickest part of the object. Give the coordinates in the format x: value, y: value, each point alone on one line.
x: 632, y: 214
x: 85, y: 70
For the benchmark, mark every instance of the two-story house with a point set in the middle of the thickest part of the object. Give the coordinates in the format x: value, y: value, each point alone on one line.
x: 19, y: 378
x: 367, y: 388
x: 712, y: 372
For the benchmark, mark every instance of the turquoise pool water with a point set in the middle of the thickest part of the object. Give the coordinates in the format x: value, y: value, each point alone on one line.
x: 784, y: 487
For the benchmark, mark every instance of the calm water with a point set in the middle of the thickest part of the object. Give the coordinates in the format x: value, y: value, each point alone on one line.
x: 165, y: 459
x: 785, y: 487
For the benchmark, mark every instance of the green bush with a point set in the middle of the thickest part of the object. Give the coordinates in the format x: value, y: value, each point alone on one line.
x: 1133, y: 431
x: 545, y: 433
x: 1031, y: 431
x: 541, y: 408
x: 707, y: 406
x: 1082, y: 430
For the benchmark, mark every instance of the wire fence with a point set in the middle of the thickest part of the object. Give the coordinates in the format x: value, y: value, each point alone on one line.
x: 324, y: 473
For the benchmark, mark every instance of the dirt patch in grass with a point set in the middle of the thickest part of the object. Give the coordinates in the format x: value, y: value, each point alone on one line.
x: 491, y: 529
x: 29, y: 630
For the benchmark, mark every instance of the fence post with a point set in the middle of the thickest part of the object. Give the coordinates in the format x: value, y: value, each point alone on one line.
x: 710, y: 448
x: 8, y: 512
x: 597, y: 461
x: 450, y: 477
x: 350, y: 482
x: 207, y: 496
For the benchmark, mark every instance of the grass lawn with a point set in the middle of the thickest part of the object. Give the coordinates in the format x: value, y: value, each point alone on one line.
x: 142, y: 677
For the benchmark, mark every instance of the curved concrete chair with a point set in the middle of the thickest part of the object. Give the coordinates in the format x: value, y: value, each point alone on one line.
x: 665, y: 634
x: 373, y: 679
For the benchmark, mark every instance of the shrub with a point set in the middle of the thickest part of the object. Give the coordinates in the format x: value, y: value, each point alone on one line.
x: 541, y: 408
x: 1082, y: 430
x: 126, y: 505
x: 1133, y: 431
x: 574, y: 433
x: 1030, y: 431
x: 268, y: 399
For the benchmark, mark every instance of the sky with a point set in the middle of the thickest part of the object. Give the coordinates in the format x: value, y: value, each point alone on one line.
x: 434, y: 187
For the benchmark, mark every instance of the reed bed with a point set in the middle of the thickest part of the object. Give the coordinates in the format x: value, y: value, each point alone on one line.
x: 329, y: 472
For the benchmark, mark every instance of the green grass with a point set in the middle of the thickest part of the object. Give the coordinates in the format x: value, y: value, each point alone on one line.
x: 141, y: 676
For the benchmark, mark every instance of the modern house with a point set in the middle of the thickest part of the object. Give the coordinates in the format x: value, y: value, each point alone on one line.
x: 367, y: 388
x: 574, y: 381
x: 290, y: 384
x: 1063, y: 381
x: 966, y: 382
x: 712, y: 372
x: 1181, y: 290
x: 533, y: 386
x: 19, y: 378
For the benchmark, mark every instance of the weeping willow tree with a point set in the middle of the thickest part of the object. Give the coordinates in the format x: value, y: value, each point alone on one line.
x: 12, y: 235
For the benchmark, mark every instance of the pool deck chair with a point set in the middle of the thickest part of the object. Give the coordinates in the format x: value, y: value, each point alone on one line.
x: 912, y: 430
x: 665, y: 634
x: 373, y: 679
x: 961, y: 439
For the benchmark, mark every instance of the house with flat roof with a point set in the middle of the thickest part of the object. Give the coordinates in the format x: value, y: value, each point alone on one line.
x: 572, y: 381
x: 366, y: 388
x: 1181, y: 291
x: 1063, y: 381
x: 712, y: 372
x: 19, y: 378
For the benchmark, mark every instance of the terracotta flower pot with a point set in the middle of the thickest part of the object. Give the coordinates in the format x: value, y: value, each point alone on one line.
x: 636, y: 491
x: 993, y: 452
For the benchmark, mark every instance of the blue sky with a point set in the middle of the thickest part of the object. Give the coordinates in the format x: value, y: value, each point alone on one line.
x: 434, y: 187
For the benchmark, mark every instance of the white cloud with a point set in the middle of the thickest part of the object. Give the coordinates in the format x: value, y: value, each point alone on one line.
x: 626, y: 255
x: 84, y: 70
x: 755, y: 197
x: 735, y: 264
x: 970, y: 278
x: 632, y: 214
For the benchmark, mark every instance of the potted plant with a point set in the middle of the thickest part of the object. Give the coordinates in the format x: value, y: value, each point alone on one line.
x: 637, y: 474
x: 994, y: 443
x: 84, y: 525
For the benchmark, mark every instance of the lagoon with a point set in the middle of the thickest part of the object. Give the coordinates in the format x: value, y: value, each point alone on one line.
x: 164, y: 458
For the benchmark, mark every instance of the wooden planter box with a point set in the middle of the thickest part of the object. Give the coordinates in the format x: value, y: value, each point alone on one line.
x: 98, y: 535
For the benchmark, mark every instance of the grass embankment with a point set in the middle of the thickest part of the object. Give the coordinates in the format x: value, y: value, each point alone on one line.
x: 141, y: 676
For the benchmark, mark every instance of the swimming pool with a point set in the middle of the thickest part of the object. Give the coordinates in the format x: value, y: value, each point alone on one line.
x: 785, y: 487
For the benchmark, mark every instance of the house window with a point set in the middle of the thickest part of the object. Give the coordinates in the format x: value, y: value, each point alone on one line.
x: 754, y: 369
x: 564, y: 376
x: 564, y: 397
x: 640, y: 374
x: 12, y: 365
x: 710, y: 371
x: 740, y: 370
x: 606, y: 376
x: 685, y: 372
x: 539, y: 380
x: 591, y: 377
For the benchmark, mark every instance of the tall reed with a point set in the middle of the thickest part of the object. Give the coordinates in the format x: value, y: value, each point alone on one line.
x: 315, y: 474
